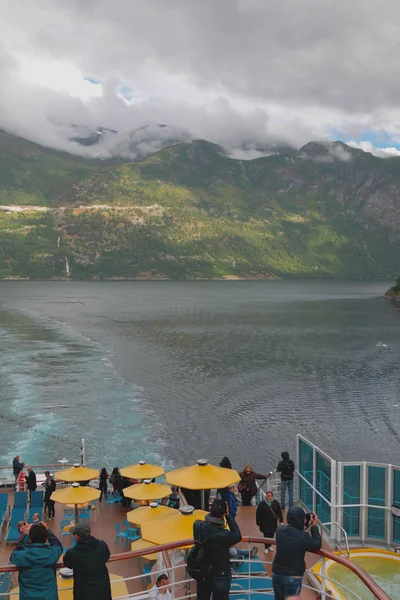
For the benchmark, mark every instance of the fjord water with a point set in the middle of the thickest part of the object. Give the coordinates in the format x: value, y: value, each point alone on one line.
x: 174, y: 371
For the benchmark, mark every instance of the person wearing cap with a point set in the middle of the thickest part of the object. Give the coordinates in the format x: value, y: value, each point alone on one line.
x: 88, y: 560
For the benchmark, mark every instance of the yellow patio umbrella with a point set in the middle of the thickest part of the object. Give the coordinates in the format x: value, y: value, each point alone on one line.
x: 142, y: 471
x: 141, y: 544
x: 172, y: 528
x: 203, y: 476
x: 77, y: 473
x: 144, y: 513
x: 75, y: 494
x: 147, y: 491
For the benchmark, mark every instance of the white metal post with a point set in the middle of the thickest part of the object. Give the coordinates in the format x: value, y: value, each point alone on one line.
x: 83, y: 452
x: 339, y: 497
x: 323, y: 575
x: 364, y: 501
x: 333, y: 507
x: 314, y: 479
x: 389, y: 502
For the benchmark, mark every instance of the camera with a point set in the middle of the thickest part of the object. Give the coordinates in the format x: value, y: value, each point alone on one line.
x: 309, y: 520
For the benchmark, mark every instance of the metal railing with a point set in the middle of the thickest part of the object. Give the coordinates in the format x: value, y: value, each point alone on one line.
x: 250, y: 580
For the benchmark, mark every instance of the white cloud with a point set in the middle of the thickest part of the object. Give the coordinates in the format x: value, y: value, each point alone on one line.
x: 238, y: 72
x: 376, y: 151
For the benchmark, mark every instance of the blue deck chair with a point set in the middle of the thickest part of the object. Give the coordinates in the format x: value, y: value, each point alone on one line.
x: 63, y: 533
x: 255, y: 567
x: 69, y: 514
x: 20, y: 499
x: 18, y: 514
x: 3, y: 507
x: 5, y: 582
x: 37, y: 499
x: 85, y: 514
x: 121, y: 535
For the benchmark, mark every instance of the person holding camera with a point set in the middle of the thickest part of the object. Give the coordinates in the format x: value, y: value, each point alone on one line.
x: 216, y: 541
x: 36, y: 555
x: 292, y: 543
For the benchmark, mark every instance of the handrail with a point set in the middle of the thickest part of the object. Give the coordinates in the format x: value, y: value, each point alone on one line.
x: 367, y: 580
x: 58, y: 465
x: 345, y: 537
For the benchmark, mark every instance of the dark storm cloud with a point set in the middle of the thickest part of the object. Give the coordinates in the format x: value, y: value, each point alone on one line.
x: 229, y: 70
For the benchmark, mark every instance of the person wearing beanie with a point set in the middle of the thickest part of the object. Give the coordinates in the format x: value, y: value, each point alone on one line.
x: 286, y: 468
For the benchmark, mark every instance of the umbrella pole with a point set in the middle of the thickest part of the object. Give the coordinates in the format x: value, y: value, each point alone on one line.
x: 203, y: 500
x: 76, y: 514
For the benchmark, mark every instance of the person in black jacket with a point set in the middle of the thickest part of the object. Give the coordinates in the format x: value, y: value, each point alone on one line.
x: 31, y: 481
x: 88, y: 560
x: 292, y: 542
x: 286, y: 469
x: 50, y: 487
x: 268, y: 515
x: 216, y: 550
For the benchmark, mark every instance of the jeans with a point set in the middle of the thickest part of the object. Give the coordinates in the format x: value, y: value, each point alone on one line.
x: 289, y: 486
x: 286, y: 586
x: 50, y: 508
x: 218, y: 586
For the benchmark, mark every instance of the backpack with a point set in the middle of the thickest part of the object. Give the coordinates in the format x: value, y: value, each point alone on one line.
x: 288, y: 468
x: 198, y: 567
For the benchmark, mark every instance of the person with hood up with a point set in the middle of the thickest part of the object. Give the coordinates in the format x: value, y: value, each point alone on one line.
x: 88, y: 560
x: 268, y: 516
x: 225, y: 463
x: 36, y: 556
x: 247, y: 486
x: 286, y: 469
x: 292, y: 543
x: 217, y: 542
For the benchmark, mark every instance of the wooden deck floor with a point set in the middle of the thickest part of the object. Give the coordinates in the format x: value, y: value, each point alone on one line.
x: 103, y: 522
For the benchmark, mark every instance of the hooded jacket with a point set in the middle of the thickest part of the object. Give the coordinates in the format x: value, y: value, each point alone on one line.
x: 88, y: 561
x: 292, y: 542
x: 286, y: 467
x: 36, y: 564
x: 217, y: 550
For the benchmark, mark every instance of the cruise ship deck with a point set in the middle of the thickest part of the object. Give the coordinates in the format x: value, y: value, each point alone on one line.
x: 103, y: 525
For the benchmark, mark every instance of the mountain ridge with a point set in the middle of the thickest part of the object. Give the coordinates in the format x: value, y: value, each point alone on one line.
x: 191, y: 211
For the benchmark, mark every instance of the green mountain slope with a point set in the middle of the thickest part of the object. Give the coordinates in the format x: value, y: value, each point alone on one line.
x: 189, y: 211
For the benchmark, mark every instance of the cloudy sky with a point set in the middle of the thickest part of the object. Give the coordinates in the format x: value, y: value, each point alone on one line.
x: 243, y: 73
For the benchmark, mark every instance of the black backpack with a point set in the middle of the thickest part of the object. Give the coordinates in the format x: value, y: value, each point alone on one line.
x: 198, y: 567
x: 288, y: 468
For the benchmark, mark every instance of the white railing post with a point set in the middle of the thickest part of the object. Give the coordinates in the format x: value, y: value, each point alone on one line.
x: 333, y: 507
x: 364, y: 502
x: 389, y: 502
x: 323, y: 575
x: 314, y: 480
x: 83, y: 452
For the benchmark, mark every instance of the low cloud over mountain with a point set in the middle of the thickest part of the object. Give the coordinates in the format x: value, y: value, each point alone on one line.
x: 241, y: 73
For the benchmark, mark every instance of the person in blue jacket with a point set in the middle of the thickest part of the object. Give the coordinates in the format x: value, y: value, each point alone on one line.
x: 228, y: 495
x: 36, y: 556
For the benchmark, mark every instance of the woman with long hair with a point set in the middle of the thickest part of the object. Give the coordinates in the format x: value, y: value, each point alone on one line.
x: 103, y: 483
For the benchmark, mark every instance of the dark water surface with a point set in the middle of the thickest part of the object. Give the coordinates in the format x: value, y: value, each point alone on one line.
x: 174, y: 371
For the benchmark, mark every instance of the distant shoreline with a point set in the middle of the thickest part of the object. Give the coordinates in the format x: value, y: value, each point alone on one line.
x: 227, y: 278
